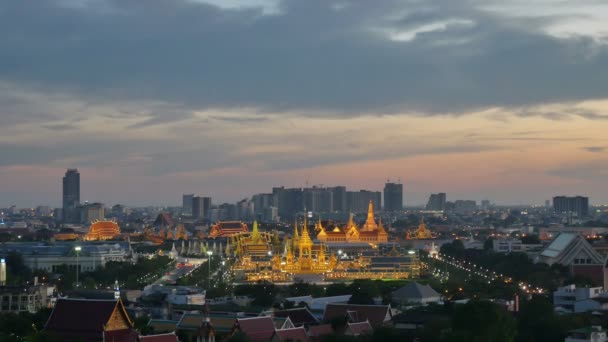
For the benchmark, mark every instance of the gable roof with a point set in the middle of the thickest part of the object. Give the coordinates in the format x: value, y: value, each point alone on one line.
x: 257, y: 328
x: 159, y: 338
x: 568, y: 246
x: 320, y: 330
x: 415, y: 290
x: 82, y: 318
x: 357, y: 329
x: 298, y: 316
x: 376, y: 314
x: 294, y: 334
x: 162, y: 325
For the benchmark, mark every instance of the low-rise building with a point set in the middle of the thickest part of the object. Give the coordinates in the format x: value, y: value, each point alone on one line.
x: 578, y: 299
x: 25, y: 299
x: 415, y: 293
x: 573, y: 251
x: 590, y: 334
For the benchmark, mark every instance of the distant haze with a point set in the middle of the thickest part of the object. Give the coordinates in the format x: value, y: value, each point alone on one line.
x: 501, y: 100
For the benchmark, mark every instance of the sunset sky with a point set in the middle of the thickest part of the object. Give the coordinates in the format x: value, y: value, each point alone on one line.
x: 482, y: 99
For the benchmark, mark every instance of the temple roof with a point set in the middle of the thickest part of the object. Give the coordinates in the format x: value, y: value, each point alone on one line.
x: 72, y: 319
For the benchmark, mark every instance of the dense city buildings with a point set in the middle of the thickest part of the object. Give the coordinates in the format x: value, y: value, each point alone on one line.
x: 571, y: 206
x: 436, y: 202
x: 201, y: 207
x: 393, y: 197
x: 71, y: 196
x: 187, y: 201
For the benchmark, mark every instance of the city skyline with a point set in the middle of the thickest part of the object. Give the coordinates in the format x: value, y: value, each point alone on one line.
x: 482, y: 100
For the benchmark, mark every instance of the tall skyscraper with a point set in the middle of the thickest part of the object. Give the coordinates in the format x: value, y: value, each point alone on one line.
x: 200, y: 207
x: 436, y: 202
x: 71, y: 196
x: 393, y: 197
x: 578, y: 205
x: 187, y: 204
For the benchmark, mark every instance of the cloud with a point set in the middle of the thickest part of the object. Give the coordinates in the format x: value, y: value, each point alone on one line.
x: 588, y: 171
x: 594, y: 149
x: 310, y: 57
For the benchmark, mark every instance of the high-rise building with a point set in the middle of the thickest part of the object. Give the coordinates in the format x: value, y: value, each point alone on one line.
x: 91, y: 212
x: 393, y: 197
x: 318, y: 199
x: 339, y: 198
x: 577, y: 205
x: 71, y: 196
x: 358, y: 201
x: 465, y: 207
x: 200, y: 207
x: 289, y: 201
x: 187, y: 204
x: 436, y: 202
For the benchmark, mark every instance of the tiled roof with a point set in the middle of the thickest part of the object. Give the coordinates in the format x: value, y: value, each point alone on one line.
x: 298, y: 316
x: 257, y: 328
x: 161, y: 325
x: 72, y: 318
x: 376, y: 314
x: 357, y: 329
x: 294, y: 334
x: 159, y: 338
x: 320, y: 330
x: 125, y: 335
x: 415, y: 290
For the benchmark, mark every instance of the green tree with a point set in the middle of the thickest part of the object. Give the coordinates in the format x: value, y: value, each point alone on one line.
x: 488, y: 244
x: 89, y: 283
x: 482, y: 321
x: 538, y: 323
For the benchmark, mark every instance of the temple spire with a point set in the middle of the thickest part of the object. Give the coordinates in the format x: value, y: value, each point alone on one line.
x: 296, y: 234
x: 255, y: 234
x: 370, y: 223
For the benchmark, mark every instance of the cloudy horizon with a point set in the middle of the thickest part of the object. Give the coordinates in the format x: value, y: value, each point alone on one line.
x: 499, y: 100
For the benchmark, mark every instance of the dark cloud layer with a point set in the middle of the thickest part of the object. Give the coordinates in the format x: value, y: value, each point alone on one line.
x: 312, y: 57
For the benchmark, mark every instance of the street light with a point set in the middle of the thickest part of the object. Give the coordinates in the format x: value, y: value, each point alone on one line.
x: 209, y: 253
x: 77, y: 249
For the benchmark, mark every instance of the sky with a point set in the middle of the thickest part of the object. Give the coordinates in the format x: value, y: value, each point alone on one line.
x: 505, y: 100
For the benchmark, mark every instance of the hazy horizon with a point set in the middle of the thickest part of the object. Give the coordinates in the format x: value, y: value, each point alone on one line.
x: 500, y: 100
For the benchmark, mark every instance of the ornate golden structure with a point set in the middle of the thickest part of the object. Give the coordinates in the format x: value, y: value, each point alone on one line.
x: 103, y: 230
x: 370, y: 232
x: 421, y: 233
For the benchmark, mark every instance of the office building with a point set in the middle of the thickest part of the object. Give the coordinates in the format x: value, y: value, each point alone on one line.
x: 465, y: 207
x: 91, y: 212
x: 71, y: 196
x: 200, y: 207
x: 578, y: 205
x: 393, y: 197
x: 289, y: 201
x: 339, y: 199
x: 436, y: 202
x: 318, y: 199
x: 358, y: 201
x: 187, y: 204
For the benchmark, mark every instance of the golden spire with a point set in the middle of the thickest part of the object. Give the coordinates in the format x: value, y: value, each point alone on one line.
x: 255, y: 234
x: 370, y: 223
x: 305, y: 239
x: 296, y: 235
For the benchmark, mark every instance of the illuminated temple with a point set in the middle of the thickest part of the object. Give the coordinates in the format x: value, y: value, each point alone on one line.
x: 421, y: 233
x: 262, y: 256
x: 103, y: 230
x: 370, y: 232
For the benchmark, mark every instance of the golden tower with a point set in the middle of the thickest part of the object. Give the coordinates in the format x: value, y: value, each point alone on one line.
x: 370, y: 223
x: 305, y: 249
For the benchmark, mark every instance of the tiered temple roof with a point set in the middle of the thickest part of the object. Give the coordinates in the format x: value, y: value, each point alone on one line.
x: 103, y: 230
x: 227, y: 228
